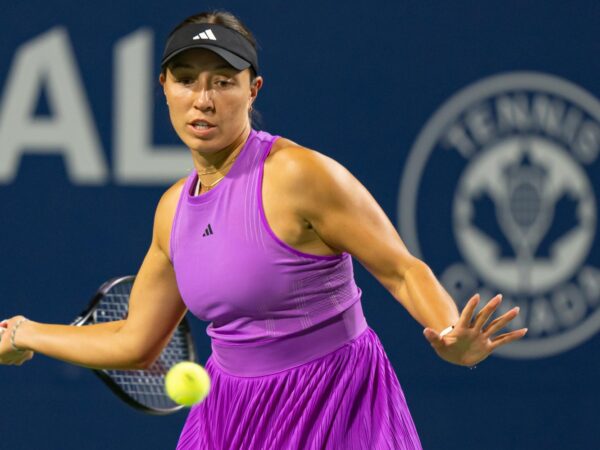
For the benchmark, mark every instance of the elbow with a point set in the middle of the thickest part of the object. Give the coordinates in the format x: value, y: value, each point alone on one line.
x: 134, y: 355
x: 147, y: 359
x: 142, y: 365
x: 145, y: 363
x: 142, y: 360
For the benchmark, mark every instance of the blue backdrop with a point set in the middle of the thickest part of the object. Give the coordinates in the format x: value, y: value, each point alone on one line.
x: 474, y: 125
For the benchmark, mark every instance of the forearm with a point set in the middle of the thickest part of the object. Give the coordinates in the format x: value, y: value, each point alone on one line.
x: 98, y: 346
x: 425, y: 299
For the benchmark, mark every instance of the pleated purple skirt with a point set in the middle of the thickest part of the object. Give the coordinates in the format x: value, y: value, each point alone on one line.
x: 348, y: 399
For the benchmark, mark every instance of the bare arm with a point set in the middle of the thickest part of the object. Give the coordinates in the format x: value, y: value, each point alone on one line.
x: 347, y: 218
x: 333, y: 200
x: 428, y: 301
x: 155, y: 309
x: 93, y: 346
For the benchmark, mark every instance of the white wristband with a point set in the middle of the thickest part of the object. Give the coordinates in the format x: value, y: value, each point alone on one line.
x: 445, y: 331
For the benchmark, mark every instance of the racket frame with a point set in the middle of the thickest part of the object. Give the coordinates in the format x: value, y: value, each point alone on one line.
x: 87, y: 318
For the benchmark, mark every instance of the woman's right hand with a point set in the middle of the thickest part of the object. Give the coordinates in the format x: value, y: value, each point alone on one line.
x: 8, y: 356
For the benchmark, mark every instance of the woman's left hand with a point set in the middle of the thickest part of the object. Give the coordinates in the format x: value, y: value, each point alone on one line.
x: 469, y: 343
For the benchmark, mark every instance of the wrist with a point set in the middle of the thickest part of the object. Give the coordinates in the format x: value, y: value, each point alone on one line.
x: 19, y: 334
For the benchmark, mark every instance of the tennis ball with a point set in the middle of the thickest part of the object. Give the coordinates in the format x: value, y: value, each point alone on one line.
x: 187, y: 383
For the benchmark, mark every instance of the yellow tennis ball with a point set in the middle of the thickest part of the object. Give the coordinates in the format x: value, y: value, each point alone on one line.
x: 187, y: 383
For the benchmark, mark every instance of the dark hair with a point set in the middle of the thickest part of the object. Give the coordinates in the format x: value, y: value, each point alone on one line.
x: 226, y: 19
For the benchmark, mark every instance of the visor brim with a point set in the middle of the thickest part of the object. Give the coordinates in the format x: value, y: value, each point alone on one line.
x: 231, y: 58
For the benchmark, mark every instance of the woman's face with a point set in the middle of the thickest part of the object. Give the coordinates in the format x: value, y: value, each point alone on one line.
x: 208, y: 99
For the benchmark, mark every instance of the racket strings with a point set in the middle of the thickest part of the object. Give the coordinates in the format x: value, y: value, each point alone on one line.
x: 144, y: 386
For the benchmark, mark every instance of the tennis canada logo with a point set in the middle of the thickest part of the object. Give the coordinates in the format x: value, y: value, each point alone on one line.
x: 497, y: 195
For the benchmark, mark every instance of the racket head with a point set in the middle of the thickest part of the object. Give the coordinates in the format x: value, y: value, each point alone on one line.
x: 144, y: 390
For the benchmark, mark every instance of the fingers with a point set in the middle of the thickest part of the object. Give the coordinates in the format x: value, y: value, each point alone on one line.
x: 499, y: 323
x: 486, y: 312
x: 16, y: 358
x: 28, y: 355
x: 508, y: 337
x: 467, y: 312
x: 432, y: 337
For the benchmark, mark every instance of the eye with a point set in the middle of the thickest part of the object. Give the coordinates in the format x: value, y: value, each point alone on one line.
x: 224, y: 83
x: 183, y: 77
x: 184, y: 80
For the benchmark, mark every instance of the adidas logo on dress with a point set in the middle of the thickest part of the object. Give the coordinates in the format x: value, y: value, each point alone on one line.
x: 206, y: 35
x: 208, y: 231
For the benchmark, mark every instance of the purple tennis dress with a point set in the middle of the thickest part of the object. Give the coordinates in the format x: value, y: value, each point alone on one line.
x: 294, y: 364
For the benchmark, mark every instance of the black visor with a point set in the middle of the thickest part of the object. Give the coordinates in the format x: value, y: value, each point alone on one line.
x: 225, y: 42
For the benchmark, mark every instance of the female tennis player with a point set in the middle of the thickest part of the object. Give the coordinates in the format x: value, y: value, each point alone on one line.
x: 258, y: 240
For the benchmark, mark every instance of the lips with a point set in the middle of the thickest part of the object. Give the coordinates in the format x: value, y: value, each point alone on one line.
x: 200, y: 127
x: 201, y: 122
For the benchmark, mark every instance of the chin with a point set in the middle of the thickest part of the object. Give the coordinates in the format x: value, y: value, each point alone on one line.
x: 205, y: 146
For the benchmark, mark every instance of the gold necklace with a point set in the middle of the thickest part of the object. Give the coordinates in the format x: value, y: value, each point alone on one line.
x: 209, y: 186
x: 212, y: 184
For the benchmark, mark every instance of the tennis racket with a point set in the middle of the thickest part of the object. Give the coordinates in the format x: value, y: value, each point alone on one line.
x: 144, y: 390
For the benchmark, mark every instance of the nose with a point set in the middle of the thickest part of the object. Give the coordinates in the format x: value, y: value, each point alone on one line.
x: 204, y: 99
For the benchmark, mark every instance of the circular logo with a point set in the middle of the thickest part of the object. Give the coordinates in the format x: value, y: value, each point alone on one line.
x: 497, y: 195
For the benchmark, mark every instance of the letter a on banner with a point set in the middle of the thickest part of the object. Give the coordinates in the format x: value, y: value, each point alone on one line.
x: 48, y: 62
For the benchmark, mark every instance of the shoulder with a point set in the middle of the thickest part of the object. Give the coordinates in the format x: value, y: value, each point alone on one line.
x: 299, y: 167
x: 170, y: 197
x: 165, y: 211
x: 296, y: 165
x: 309, y: 179
x: 285, y: 151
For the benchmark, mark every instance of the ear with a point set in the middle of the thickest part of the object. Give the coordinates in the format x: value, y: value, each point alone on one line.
x: 162, y: 78
x: 255, y: 87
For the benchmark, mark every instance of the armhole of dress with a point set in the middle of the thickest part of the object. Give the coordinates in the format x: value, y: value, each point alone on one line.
x: 173, y: 236
x: 265, y: 223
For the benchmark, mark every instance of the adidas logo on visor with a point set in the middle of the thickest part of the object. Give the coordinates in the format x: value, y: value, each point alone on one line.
x: 207, y: 35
